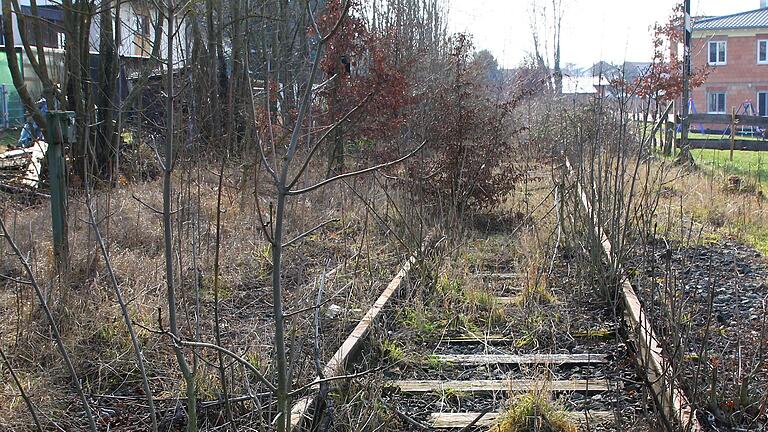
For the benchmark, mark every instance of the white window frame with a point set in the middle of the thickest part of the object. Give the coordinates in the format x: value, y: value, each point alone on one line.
x: 717, y: 62
x: 709, y: 100
x: 765, y: 109
x: 763, y: 42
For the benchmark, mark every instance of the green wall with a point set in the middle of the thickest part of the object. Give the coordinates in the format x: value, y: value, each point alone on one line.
x: 15, y: 107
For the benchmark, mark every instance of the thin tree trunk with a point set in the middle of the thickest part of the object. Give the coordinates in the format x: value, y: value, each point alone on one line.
x: 216, y: 312
x: 168, y: 164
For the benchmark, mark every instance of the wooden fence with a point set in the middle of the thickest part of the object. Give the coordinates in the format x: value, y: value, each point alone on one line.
x: 730, y: 140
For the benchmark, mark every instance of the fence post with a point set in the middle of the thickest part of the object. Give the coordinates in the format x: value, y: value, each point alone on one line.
x: 733, y: 133
x: 4, y: 97
x: 59, y: 132
x: 671, y: 144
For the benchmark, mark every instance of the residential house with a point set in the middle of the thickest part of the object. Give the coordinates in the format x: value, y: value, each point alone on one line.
x: 138, y: 22
x: 734, y: 49
x: 598, y: 80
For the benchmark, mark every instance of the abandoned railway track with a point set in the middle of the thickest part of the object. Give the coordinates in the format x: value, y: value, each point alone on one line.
x: 500, y: 342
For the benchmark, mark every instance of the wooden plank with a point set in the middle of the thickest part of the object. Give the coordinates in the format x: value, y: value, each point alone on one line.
x: 337, y: 364
x: 551, y: 359
x: 32, y: 175
x: 670, y: 398
x: 741, y: 119
x: 499, y: 339
x: 481, y: 386
x: 15, y: 153
x: 497, y: 276
x: 506, y: 300
x: 486, y: 339
x: 17, y: 162
x: 449, y: 420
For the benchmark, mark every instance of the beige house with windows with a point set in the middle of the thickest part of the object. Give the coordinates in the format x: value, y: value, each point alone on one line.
x: 138, y: 22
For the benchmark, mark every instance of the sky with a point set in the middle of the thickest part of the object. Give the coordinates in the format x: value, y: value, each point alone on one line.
x: 592, y: 30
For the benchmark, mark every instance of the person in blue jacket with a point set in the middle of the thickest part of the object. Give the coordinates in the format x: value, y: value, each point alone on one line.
x: 31, y: 132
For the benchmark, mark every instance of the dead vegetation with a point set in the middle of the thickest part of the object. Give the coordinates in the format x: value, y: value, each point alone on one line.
x: 261, y: 201
x: 87, y: 316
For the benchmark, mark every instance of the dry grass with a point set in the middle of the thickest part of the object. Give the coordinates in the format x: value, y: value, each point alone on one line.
x: 534, y: 411
x: 705, y: 207
x: 84, y: 306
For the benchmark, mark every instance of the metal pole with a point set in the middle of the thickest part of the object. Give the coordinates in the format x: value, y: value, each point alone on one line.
x: 57, y: 179
x: 687, y: 27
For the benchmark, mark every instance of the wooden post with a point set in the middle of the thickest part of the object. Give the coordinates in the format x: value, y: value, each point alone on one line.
x: 669, y: 143
x: 733, y: 133
x: 676, y: 142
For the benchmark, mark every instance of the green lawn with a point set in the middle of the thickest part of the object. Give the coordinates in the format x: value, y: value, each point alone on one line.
x: 747, y: 164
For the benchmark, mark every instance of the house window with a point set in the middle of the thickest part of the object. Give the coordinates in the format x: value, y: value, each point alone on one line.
x: 717, y: 51
x: 762, y: 51
x: 762, y: 104
x: 716, y: 103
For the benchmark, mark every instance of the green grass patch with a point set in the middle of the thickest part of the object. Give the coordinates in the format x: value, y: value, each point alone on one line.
x: 534, y: 412
x: 434, y: 362
x: 393, y: 351
x: 747, y: 164
x: 757, y: 236
x: 420, y: 321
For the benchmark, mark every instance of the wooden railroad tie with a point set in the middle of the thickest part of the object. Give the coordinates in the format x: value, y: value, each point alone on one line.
x: 548, y: 359
x: 497, y: 276
x: 464, y: 419
x: 500, y: 339
x: 488, y: 386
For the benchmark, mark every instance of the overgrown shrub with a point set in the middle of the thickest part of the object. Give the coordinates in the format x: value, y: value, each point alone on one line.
x: 470, y: 161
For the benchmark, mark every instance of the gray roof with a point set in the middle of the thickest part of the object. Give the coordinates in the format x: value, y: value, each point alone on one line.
x: 630, y: 71
x: 744, y: 20
x: 634, y: 70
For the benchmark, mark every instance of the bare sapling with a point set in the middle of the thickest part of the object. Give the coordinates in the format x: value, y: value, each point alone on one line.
x: 279, y: 169
x: 216, y: 313
x: 22, y: 392
x: 167, y: 217
x: 123, y: 311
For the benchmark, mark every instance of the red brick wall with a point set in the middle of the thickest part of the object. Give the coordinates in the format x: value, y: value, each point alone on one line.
x: 741, y: 78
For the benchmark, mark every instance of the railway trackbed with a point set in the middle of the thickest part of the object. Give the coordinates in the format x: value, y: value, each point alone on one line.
x: 510, y: 353
x: 503, y: 340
